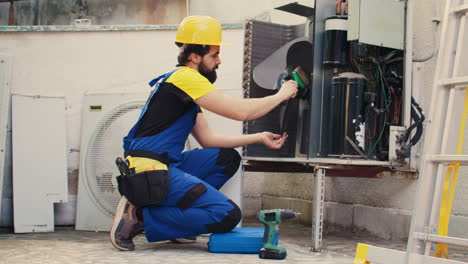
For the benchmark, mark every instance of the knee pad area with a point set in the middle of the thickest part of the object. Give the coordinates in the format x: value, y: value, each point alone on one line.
x: 228, y: 222
x: 191, y: 196
x: 230, y: 159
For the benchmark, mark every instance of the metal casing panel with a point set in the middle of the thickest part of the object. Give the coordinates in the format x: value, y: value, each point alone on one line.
x: 318, y: 124
x: 377, y: 22
x: 39, y: 161
x: 5, y: 81
x: 353, y: 19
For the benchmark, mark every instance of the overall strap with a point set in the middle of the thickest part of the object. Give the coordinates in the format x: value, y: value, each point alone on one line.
x: 163, y: 77
x: 156, y: 82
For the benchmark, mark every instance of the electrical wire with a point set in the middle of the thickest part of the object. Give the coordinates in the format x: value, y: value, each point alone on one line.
x: 418, y: 117
x: 382, y: 77
x: 387, y: 102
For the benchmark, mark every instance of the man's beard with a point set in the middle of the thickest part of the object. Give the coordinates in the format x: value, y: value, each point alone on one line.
x: 209, y: 74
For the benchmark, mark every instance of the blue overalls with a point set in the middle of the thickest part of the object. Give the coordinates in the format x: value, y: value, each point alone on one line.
x: 193, y: 205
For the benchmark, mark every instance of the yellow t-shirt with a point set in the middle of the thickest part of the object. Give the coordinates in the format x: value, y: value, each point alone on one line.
x: 175, y: 97
x: 191, y: 82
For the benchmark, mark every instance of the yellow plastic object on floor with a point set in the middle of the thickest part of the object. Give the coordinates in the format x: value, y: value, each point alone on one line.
x: 449, y: 187
x: 361, y: 254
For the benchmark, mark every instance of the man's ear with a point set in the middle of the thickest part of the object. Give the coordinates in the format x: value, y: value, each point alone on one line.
x: 195, y: 58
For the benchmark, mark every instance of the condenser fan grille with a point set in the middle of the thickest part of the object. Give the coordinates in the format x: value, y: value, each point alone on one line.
x: 104, y: 146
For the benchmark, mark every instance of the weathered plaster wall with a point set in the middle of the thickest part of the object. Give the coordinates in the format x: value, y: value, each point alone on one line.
x: 101, y: 12
x: 69, y: 64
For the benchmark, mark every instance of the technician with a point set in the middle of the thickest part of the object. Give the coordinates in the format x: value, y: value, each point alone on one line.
x: 188, y: 182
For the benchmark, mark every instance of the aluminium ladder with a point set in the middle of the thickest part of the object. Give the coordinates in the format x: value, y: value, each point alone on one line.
x: 435, y: 157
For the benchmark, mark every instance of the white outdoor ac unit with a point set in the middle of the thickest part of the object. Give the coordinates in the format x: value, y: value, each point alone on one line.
x: 106, y: 119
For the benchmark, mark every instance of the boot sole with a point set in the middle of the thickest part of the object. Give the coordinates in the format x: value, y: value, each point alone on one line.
x: 183, y: 241
x: 119, y: 211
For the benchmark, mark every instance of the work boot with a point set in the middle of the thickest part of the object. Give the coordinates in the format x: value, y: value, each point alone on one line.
x: 125, y: 226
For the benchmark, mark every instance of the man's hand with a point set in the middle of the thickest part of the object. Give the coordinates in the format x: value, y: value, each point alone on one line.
x: 288, y: 90
x: 273, y: 141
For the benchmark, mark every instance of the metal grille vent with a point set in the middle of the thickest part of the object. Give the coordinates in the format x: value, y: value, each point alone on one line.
x: 260, y: 41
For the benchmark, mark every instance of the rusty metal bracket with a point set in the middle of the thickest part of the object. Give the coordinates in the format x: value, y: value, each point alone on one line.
x: 11, y: 15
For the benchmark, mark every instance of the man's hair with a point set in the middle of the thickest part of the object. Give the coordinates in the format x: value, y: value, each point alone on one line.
x: 186, y: 49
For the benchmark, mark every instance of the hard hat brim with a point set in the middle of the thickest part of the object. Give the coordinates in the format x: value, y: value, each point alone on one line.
x: 209, y: 44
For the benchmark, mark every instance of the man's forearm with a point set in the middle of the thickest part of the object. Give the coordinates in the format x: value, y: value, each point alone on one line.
x: 230, y: 141
x: 258, y: 107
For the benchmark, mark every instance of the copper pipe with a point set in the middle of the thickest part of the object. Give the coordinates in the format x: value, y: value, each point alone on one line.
x: 338, y: 7
x: 11, y: 16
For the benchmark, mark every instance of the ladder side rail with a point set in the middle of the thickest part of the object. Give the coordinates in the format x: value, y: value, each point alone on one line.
x: 449, y: 133
x: 438, y: 189
x: 427, y: 181
x: 461, y: 34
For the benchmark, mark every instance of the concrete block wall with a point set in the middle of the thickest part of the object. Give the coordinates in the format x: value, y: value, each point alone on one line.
x: 380, y: 207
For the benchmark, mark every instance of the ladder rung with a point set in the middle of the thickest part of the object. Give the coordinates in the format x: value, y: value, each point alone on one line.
x: 461, y: 9
x: 463, y: 159
x: 462, y: 242
x: 454, y: 81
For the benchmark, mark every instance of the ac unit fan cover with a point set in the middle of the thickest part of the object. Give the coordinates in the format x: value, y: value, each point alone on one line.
x: 107, y: 118
x: 104, y: 146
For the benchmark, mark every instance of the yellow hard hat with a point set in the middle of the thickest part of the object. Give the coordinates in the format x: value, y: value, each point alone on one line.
x: 202, y: 30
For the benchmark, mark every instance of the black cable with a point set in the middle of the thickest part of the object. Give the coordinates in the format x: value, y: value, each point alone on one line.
x: 418, y: 117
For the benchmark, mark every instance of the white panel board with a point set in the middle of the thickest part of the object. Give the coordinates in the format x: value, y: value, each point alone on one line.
x: 353, y: 19
x: 39, y: 161
x: 5, y: 80
x: 377, y: 22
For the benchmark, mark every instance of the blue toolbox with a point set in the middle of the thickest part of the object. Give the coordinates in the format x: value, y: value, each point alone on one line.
x: 245, y: 240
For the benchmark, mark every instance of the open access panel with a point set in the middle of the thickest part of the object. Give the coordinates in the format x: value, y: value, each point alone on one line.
x: 354, y: 104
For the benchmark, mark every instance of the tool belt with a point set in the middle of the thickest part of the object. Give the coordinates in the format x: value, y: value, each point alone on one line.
x: 146, y: 187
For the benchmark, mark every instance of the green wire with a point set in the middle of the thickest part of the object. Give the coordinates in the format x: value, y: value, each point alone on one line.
x: 382, y: 82
x: 378, y: 139
x: 387, y: 103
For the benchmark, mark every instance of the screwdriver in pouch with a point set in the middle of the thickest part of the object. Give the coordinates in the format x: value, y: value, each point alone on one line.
x: 122, y: 166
